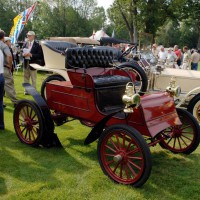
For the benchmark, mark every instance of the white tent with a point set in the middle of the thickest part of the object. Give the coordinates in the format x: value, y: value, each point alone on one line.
x: 98, y: 35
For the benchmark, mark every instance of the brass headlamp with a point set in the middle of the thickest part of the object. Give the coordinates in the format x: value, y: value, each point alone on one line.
x: 130, y: 98
x: 173, y: 89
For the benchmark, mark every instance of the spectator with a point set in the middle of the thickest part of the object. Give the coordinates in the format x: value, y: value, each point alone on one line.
x: 178, y: 53
x: 171, y: 56
x: 32, y: 53
x: 154, y: 50
x: 195, y: 58
x: 5, y: 60
x: 8, y: 76
x: 162, y: 55
x: 186, y: 58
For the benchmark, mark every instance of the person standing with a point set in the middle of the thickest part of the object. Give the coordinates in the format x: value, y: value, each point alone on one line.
x: 5, y: 60
x: 8, y: 76
x: 162, y: 55
x: 154, y: 50
x: 178, y: 53
x: 186, y: 58
x: 32, y: 53
x: 195, y: 58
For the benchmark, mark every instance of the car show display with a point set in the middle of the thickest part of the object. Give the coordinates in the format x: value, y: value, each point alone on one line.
x: 110, y: 99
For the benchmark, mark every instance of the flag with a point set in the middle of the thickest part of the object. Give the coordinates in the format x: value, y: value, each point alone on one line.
x: 113, y: 33
x: 20, y: 22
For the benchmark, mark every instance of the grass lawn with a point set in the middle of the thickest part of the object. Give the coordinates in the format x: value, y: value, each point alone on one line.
x: 73, y: 172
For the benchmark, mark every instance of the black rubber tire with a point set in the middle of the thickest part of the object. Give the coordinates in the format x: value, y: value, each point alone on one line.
x: 144, y: 150
x: 196, y: 130
x: 30, y: 112
x: 194, y: 107
x: 48, y: 79
x: 135, y: 67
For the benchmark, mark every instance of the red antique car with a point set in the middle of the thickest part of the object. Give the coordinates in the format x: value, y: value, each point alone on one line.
x: 103, y: 97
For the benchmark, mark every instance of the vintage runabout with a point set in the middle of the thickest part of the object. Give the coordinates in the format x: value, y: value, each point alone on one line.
x: 102, y: 96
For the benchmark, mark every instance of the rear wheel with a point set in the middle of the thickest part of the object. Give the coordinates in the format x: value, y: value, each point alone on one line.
x: 184, y: 138
x: 138, y: 76
x: 124, y: 155
x: 28, y: 123
x: 49, y: 79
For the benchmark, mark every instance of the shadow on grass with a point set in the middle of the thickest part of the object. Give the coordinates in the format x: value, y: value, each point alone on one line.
x: 36, y: 165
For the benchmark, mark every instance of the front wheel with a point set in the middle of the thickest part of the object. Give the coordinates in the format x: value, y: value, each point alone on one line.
x: 28, y: 123
x: 194, y: 107
x: 124, y: 155
x: 184, y: 138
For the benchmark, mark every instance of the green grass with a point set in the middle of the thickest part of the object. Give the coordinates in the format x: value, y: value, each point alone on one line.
x: 73, y: 172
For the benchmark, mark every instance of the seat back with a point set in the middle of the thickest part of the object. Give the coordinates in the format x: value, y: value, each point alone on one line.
x: 87, y: 57
x: 54, y: 53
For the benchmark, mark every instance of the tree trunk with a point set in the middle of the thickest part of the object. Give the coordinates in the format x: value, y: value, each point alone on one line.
x: 198, y: 44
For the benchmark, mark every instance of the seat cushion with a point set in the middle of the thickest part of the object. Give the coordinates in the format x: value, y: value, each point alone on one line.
x: 110, y: 80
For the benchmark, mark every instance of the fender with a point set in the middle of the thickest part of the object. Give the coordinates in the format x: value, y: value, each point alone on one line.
x: 98, y: 128
x: 194, y: 91
x: 50, y: 138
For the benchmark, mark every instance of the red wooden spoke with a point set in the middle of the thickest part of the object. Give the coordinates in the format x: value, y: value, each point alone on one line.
x: 136, y: 166
x: 116, y: 166
x: 174, y: 142
x: 169, y: 140
x: 113, y: 144
x: 110, y: 162
x: 179, y: 143
x: 121, y: 170
x: 110, y: 148
x: 118, y: 142
x: 184, y: 141
x: 135, y: 158
x: 108, y: 154
x: 131, y: 169
x: 186, y: 137
x: 126, y: 171
x: 128, y: 146
x: 133, y: 151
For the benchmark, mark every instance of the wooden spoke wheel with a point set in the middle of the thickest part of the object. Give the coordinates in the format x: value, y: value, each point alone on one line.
x: 184, y: 138
x: 124, y: 155
x: 28, y: 122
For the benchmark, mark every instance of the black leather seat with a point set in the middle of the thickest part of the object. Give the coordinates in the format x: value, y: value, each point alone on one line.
x: 110, y: 81
x: 59, y: 46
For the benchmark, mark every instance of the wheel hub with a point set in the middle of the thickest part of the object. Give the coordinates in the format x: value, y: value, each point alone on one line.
x: 117, y: 158
x: 177, y: 132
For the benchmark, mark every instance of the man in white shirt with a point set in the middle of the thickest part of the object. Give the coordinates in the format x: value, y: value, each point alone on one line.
x: 162, y: 55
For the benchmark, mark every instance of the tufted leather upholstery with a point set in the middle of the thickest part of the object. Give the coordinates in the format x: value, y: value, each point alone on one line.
x: 88, y: 57
x: 58, y: 46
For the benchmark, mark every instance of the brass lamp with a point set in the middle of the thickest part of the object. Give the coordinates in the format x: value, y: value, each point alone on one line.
x: 130, y: 98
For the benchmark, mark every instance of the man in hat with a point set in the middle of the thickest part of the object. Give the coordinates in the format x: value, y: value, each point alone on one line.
x: 32, y: 53
x: 8, y: 76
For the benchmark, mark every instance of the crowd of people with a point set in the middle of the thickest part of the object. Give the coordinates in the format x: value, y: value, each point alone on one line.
x: 186, y: 59
x: 31, y: 52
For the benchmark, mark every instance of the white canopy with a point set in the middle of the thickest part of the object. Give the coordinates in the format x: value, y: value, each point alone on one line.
x: 98, y: 35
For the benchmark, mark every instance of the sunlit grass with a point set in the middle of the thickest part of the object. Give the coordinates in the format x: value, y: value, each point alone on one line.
x: 73, y: 172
